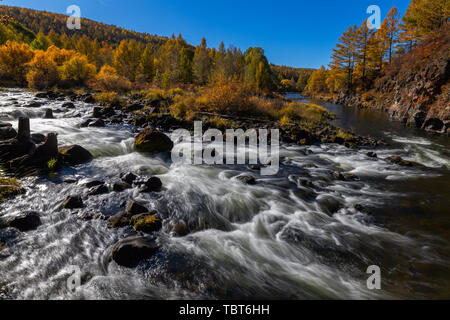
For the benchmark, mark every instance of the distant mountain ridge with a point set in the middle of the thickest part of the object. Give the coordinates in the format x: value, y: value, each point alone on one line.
x: 43, y: 21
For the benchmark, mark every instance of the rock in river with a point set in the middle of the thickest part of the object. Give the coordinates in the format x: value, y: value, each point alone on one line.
x: 131, y: 250
x: 153, y: 141
x: 73, y: 202
x: 75, y: 154
x: 24, y: 222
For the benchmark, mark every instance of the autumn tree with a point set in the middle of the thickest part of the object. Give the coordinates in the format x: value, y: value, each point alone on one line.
x: 40, y: 43
x: 14, y: 59
x: 77, y: 70
x: 43, y: 71
x: 127, y: 59
x: 258, y: 74
x: 201, y: 64
x: 422, y: 18
x: 345, y: 55
x: 317, y: 83
x: 389, y: 32
x: 147, y: 65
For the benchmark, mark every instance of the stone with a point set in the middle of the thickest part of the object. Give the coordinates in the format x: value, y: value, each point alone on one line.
x: 134, y: 249
x: 95, y: 191
x: 134, y: 208
x: 99, y: 123
x: 49, y: 114
x: 7, y: 132
x: 93, y: 183
x: 73, y: 202
x: 146, y: 222
x: 247, y: 179
x: 68, y: 105
x: 372, y: 154
x: 75, y: 154
x: 153, y: 141
x: 121, y: 186
x: 27, y: 221
x: 128, y: 177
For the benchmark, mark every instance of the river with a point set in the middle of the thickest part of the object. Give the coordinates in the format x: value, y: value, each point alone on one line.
x: 298, y: 235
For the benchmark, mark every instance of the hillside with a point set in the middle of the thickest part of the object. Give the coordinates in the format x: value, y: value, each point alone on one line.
x: 41, y: 21
x: 415, y: 88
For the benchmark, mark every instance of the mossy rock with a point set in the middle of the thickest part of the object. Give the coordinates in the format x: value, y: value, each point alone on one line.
x: 152, y: 142
x: 147, y: 222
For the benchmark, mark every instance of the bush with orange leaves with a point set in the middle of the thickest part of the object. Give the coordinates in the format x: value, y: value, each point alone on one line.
x: 43, y: 71
x: 230, y: 97
x: 108, y: 80
x: 77, y: 70
x: 14, y: 58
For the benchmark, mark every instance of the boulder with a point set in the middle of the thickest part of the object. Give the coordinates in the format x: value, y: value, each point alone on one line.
x: 152, y: 184
x: 75, y: 154
x: 73, y: 202
x: 119, y: 220
x: 89, y: 99
x: 37, y: 138
x: 128, y: 177
x: 68, y: 105
x: 153, y: 141
x: 7, y: 132
x: 95, y: 191
x: 134, y: 208
x: 93, y: 183
x: 24, y: 222
x: 400, y: 161
x: 134, y: 249
x: 99, y: 123
x: 247, y: 179
x: 372, y: 154
x: 121, y: 186
x: 49, y: 114
x: 146, y: 222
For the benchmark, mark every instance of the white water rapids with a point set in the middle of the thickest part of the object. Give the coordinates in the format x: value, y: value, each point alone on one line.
x: 296, y: 235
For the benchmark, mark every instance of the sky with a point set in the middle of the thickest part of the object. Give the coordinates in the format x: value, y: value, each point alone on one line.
x: 298, y: 33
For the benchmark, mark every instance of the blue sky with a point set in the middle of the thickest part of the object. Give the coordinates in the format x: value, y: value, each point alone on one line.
x: 298, y: 33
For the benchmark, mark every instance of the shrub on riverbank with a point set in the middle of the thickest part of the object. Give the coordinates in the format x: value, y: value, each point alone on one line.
x: 9, y: 187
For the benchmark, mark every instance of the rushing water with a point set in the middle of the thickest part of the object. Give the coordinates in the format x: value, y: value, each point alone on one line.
x: 296, y: 235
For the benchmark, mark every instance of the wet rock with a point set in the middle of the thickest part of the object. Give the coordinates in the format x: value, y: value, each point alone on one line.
x: 70, y: 180
x: 34, y: 104
x: 119, y: 220
x: 336, y: 175
x: 88, y: 216
x: 179, y: 228
x: 401, y: 162
x: 68, y: 105
x: 146, y: 222
x: 37, y: 138
x: 95, y: 191
x: 247, y: 179
x: 134, y: 249
x: 75, y: 154
x: 152, y: 141
x: 99, y: 123
x: 94, y: 183
x: 360, y: 208
x: 329, y: 204
x: 128, y: 177
x: 351, y: 177
x: 24, y: 222
x: 49, y: 114
x: 152, y: 184
x: 134, y: 208
x: 89, y: 99
x: 121, y: 186
x: 100, y: 112
x: 73, y: 202
x: 372, y: 154
x: 7, y: 132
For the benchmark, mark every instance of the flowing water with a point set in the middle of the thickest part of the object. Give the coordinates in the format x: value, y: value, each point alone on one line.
x: 296, y: 235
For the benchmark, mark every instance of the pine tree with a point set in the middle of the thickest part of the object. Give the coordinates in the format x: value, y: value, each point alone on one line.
x: 127, y: 59
x: 389, y: 32
x: 345, y: 55
x: 201, y: 64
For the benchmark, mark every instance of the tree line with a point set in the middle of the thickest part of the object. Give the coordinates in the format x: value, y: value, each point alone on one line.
x: 362, y: 53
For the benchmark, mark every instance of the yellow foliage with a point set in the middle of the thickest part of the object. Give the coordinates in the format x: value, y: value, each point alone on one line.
x: 14, y: 58
x: 43, y: 71
x: 77, y: 69
x: 108, y: 80
x: 60, y: 56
